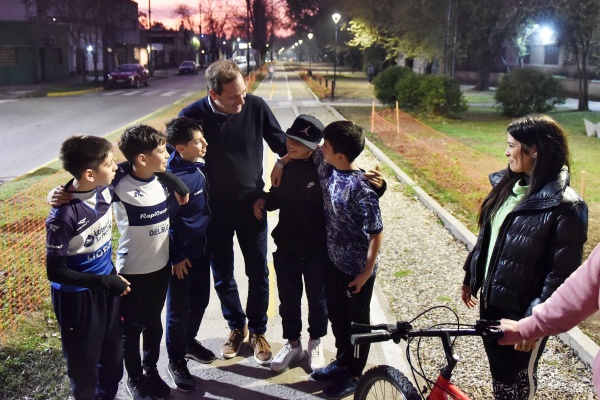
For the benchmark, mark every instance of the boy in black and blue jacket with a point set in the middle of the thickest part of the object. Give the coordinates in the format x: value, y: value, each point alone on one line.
x: 189, y: 285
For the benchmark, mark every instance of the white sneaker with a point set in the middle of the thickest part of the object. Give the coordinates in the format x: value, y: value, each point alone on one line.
x: 287, y: 356
x: 315, y: 354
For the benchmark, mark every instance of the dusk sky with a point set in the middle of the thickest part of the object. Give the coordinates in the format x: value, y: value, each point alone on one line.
x: 162, y: 10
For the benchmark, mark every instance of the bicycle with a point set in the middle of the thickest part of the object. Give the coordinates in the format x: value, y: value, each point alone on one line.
x: 386, y: 382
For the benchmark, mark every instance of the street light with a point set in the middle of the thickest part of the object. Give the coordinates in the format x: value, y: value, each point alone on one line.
x: 336, y: 18
x: 300, y: 56
x: 310, y: 36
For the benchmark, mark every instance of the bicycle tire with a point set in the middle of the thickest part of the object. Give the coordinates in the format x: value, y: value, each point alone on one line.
x: 385, y: 382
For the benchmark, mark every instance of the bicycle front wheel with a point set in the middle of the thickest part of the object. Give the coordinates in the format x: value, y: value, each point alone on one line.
x: 385, y: 382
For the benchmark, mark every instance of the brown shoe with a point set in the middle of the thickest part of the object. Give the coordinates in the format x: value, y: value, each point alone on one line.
x: 262, y: 349
x: 231, y: 347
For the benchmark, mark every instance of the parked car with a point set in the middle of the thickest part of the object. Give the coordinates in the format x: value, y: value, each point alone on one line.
x: 242, y: 62
x: 133, y: 75
x: 188, y: 67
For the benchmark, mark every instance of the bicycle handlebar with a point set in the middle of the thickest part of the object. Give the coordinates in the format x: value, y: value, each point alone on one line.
x: 404, y: 330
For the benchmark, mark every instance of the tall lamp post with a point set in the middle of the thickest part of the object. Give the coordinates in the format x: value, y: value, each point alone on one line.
x: 336, y: 18
x: 310, y: 36
x: 299, y: 55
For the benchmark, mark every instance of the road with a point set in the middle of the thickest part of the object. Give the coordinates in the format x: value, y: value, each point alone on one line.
x: 33, y: 128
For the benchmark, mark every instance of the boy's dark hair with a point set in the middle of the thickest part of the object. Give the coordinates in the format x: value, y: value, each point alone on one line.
x: 181, y: 130
x: 345, y: 137
x: 82, y: 152
x: 140, y: 139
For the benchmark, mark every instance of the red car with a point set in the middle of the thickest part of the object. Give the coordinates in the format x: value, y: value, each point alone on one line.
x: 133, y: 75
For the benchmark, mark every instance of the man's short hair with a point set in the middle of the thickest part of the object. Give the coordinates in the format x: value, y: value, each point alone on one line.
x: 81, y: 152
x: 345, y: 137
x: 180, y: 130
x: 140, y: 139
x: 221, y: 73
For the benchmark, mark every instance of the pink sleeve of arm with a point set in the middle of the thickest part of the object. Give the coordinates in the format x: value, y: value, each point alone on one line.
x: 575, y: 300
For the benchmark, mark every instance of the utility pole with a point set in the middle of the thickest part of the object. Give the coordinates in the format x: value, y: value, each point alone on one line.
x: 150, y: 39
x: 248, y: 37
x: 200, y: 34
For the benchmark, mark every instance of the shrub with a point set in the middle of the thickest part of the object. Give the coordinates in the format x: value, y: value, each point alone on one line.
x: 442, y: 96
x: 526, y: 91
x: 409, y: 93
x: 431, y: 94
x: 385, y: 83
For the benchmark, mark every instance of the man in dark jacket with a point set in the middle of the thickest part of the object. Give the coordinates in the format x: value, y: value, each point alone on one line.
x: 235, y: 124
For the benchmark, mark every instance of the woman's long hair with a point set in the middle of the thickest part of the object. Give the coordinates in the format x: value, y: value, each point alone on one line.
x: 550, y: 142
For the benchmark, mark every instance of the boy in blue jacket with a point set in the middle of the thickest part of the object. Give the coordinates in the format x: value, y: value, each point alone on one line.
x: 189, y: 285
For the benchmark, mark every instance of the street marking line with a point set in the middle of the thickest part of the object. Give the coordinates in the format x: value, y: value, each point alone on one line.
x: 116, y: 92
x: 171, y: 93
x: 150, y: 93
x: 132, y: 93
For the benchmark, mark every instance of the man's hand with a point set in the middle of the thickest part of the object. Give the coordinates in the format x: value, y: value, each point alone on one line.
x: 359, y: 281
x: 466, y: 296
x: 58, y: 196
x: 276, y: 175
x: 181, y: 268
x: 374, y: 177
x: 259, y: 207
x: 128, y: 288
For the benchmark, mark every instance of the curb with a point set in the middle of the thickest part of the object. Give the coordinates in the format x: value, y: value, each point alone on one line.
x: 75, y: 92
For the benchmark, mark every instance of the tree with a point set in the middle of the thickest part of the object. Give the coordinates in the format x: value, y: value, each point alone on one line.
x: 579, y: 31
x: 184, y: 12
x: 489, y: 24
x: 216, y: 15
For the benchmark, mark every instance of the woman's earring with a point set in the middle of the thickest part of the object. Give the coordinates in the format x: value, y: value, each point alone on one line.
x: 534, y: 155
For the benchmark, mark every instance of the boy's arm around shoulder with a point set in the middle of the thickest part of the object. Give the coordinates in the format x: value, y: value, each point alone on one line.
x: 174, y: 185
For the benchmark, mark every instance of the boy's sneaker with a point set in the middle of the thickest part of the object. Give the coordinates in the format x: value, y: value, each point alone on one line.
x: 199, y: 353
x: 262, y: 349
x: 342, y: 388
x: 231, y: 347
x: 287, y: 356
x: 180, y: 374
x: 330, y: 372
x: 138, y: 388
x: 159, y: 390
x: 315, y: 354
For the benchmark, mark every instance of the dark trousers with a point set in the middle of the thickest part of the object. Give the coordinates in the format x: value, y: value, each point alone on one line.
x: 514, y: 373
x: 290, y: 271
x: 239, y: 219
x: 91, y: 341
x: 187, y: 300
x: 140, y: 314
x: 342, y: 311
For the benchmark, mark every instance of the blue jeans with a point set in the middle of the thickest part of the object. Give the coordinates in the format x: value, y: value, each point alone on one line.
x: 290, y: 272
x: 187, y: 300
x: 239, y: 219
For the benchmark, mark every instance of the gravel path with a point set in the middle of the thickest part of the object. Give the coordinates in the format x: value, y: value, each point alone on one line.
x: 421, y: 267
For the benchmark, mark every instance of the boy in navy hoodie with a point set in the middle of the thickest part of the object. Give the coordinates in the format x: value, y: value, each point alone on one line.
x: 189, y: 285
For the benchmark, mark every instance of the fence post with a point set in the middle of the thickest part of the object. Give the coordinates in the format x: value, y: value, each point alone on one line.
x: 373, y: 118
x: 397, y: 118
x: 583, y: 174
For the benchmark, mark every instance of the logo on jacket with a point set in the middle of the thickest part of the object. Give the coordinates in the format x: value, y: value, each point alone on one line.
x: 310, y: 184
x: 89, y: 241
x: 137, y: 193
x: 82, y: 221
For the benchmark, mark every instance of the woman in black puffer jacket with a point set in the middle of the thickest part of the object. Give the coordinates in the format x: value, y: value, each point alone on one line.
x: 532, y: 229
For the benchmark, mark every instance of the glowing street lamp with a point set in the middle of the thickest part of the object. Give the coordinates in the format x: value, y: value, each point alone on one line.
x: 310, y: 36
x: 336, y: 18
